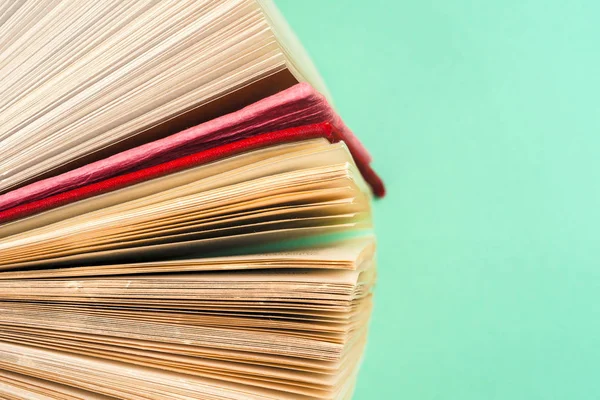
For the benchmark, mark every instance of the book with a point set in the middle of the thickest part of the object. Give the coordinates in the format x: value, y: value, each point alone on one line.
x: 183, y: 213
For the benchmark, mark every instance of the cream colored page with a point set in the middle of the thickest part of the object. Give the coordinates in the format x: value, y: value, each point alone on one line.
x: 94, y: 373
x: 139, y: 66
x: 177, y: 204
x: 347, y: 255
x: 39, y: 385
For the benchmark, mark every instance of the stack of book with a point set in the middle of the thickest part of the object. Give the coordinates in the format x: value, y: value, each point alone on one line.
x: 183, y: 215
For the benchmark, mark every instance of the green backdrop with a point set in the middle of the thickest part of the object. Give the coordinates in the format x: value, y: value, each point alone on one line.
x: 484, y: 119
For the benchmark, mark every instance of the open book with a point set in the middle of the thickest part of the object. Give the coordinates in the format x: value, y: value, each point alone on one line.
x: 183, y: 214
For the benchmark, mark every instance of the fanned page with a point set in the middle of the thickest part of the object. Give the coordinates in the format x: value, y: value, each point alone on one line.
x: 78, y: 78
x: 183, y: 214
x: 286, y: 189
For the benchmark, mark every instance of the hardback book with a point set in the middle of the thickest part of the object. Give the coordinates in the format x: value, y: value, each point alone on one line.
x: 183, y: 213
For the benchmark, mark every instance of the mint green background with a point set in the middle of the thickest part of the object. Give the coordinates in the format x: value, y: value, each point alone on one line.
x: 484, y: 119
